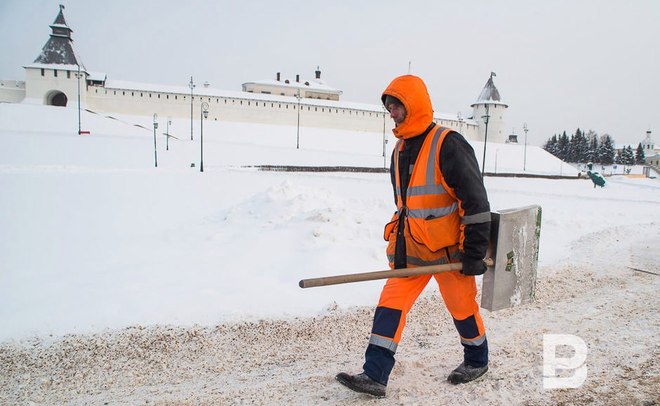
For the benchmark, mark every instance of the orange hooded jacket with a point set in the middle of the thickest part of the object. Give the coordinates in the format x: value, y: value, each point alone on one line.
x: 433, y: 230
x: 412, y: 92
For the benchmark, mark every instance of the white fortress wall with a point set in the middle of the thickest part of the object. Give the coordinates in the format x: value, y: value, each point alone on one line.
x: 174, y: 101
x: 276, y: 110
x: 12, y: 91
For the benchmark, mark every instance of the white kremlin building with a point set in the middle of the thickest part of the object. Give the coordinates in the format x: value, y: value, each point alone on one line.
x: 57, y: 77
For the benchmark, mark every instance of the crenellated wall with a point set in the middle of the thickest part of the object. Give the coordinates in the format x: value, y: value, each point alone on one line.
x: 253, y: 108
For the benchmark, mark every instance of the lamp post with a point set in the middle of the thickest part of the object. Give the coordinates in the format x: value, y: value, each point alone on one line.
x: 155, y: 150
x: 483, y: 161
x: 202, y: 115
x: 459, y: 116
x: 78, y: 77
x: 298, y: 127
x: 192, y: 86
x: 525, y: 154
x: 167, y: 134
x: 384, y: 138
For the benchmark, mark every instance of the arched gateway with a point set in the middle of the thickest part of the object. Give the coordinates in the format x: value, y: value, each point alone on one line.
x: 56, y: 98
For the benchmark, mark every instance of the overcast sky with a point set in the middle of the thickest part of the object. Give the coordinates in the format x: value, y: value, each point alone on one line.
x: 560, y: 65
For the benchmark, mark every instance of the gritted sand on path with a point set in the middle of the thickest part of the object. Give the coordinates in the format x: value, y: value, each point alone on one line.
x: 594, y: 296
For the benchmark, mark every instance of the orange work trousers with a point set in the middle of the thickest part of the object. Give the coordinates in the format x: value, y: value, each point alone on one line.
x: 399, y: 294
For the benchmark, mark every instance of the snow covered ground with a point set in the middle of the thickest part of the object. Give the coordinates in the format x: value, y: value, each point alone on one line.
x: 125, y: 283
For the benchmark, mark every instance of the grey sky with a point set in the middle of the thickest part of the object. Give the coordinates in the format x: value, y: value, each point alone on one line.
x: 593, y: 64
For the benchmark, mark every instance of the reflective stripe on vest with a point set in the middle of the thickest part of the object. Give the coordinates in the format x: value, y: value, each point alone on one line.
x: 453, y: 257
x: 430, y: 211
x: 430, y: 187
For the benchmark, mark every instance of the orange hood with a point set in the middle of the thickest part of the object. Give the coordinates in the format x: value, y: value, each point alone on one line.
x: 412, y: 92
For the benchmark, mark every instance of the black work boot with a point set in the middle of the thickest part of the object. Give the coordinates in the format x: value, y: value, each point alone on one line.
x: 362, y: 383
x: 465, y: 373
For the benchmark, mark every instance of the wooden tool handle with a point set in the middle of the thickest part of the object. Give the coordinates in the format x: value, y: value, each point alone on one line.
x: 390, y: 273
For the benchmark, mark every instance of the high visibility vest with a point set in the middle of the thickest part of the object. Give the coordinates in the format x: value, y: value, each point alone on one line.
x: 431, y: 211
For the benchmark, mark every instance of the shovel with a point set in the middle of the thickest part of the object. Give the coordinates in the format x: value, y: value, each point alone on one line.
x: 512, y: 262
x: 390, y: 273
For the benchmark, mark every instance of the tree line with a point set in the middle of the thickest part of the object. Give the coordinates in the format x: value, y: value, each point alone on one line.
x: 586, y: 147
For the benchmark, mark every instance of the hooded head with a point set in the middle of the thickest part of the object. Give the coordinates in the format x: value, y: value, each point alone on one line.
x: 412, y: 93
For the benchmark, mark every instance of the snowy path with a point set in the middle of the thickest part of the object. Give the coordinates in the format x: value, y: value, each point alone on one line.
x: 274, y: 362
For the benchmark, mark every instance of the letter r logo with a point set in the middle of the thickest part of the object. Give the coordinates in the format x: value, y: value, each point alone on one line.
x: 552, y: 365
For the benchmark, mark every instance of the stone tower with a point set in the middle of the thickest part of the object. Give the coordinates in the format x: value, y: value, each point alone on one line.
x: 489, y: 106
x: 647, y: 143
x: 52, y: 78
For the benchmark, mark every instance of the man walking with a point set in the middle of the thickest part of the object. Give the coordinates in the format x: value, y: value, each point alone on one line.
x: 442, y: 216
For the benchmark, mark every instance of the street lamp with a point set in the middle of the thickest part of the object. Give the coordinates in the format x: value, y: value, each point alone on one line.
x: 525, y: 154
x: 192, y: 86
x: 167, y: 135
x: 384, y: 138
x: 298, y: 127
x: 155, y: 151
x: 483, y: 161
x: 78, y: 77
x: 202, y: 115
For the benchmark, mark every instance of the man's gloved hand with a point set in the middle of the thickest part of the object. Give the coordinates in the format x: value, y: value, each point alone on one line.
x: 473, y: 266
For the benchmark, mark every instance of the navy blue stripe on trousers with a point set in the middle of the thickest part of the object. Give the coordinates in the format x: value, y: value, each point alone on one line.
x: 386, y: 322
x: 467, y: 328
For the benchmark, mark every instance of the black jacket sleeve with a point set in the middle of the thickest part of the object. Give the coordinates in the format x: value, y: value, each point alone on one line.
x: 461, y: 171
x: 393, y: 176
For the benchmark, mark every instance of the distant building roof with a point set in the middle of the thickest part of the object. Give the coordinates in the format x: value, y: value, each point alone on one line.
x: 289, y: 87
x: 97, y: 76
x: 59, y: 48
x: 489, y: 94
x: 308, y: 84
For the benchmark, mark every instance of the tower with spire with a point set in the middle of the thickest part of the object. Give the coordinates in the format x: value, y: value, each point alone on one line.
x: 57, y: 76
x: 489, y: 108
x: 647, y: 143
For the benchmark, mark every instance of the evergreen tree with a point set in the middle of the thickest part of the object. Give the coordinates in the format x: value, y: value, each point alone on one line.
x: 629, y: 156
x: 551, y: 145
x: 639, y: 155
x: 581, y: 147
x: 571, y: 155
x: 606, y: 150
x: 555, y: 145
x: 592, y: 142
x: 562, y: 147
